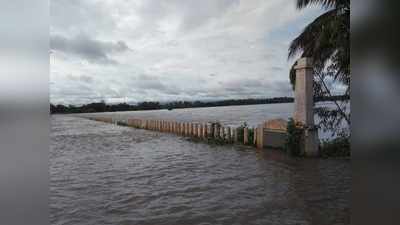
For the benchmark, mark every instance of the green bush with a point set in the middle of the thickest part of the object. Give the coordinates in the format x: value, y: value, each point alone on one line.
x: 121, y: 123
x: 250, y: 136
x: 240, y: 131
x: 294, y: 139
x: 338, y: 147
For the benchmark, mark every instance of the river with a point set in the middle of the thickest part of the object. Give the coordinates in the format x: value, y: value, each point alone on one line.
x: 106, y: 174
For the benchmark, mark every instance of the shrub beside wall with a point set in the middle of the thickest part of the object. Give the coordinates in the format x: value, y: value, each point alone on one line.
x: 294, y: 140
x: 338, y: 147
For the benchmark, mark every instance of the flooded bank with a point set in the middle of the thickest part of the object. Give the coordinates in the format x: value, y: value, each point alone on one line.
x: 106, y: 174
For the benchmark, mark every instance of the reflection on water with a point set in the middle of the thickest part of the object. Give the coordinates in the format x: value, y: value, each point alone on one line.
x: 106, y: 174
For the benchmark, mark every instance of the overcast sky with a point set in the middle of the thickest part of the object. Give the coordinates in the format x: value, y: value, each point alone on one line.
x: 153, y: 50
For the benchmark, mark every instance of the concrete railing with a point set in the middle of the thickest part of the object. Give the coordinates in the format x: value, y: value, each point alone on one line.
x: 206, y: 131
x: 271, y: 133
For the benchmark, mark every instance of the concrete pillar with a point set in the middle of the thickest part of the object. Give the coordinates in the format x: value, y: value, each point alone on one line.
x: 260, y: 136
x: 228, y: 134
x: 204, y: 131
x: 200, y: 134
x: 235, y: 135
x: 255, y: 136
x: 222, y: 133
x: 245, y: 136
x: 199, y: 130
x: 216, y: 131
x: 304, y: 104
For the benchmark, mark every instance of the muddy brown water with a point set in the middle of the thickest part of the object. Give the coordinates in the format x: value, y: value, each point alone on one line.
x: 106, y: 174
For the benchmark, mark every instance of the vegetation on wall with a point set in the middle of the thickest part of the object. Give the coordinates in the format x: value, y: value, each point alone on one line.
x: 338, y: 147
x: 294, y: 138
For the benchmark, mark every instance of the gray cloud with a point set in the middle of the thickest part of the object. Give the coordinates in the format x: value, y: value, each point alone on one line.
x: 90, y: 49
x: 184, y: 50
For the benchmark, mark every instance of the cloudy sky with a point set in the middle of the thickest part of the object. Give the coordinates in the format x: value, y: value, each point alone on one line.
x: 153, y: 50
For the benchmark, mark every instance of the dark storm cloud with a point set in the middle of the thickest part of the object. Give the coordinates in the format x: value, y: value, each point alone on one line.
x: 92, y: 50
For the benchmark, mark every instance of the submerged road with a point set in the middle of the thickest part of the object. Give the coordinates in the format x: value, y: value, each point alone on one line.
x: 106, y: 174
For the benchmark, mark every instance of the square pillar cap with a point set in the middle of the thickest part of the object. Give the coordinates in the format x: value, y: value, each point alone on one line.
x: 303, y: 63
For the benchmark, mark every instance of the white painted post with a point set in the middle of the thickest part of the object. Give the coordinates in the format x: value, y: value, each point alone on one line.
x: 222, y: 132
x: 199, y: 131
x: 228, y: 134
x: 304, y: 104
x: 194, y: 129
x: 216, y: 131
x: 255, y: 136
x: 260, y: 136
x: 245, y: 136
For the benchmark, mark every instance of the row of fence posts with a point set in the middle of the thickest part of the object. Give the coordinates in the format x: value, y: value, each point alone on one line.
x: 206, y: 131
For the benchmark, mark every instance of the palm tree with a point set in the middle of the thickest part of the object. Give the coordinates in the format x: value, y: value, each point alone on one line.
x: 327, y: 41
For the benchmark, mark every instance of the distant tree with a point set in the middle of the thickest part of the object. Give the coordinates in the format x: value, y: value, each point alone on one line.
x: 327, y: 41
x: 52, y: 109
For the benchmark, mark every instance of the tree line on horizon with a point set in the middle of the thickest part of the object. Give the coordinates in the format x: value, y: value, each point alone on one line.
x: 154, y: 105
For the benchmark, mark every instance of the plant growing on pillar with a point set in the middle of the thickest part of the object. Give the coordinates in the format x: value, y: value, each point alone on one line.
x: 294, y: 138
x: 251, y: 136
x: 327, y: 41
x: 240, y: 131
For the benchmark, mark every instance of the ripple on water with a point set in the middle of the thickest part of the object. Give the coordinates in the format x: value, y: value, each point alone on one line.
x: 105, y: 174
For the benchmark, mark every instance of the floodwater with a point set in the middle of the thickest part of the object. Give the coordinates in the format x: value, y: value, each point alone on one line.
x: 226, y: 115
x: 234, y: 116
x: 106, y: 174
